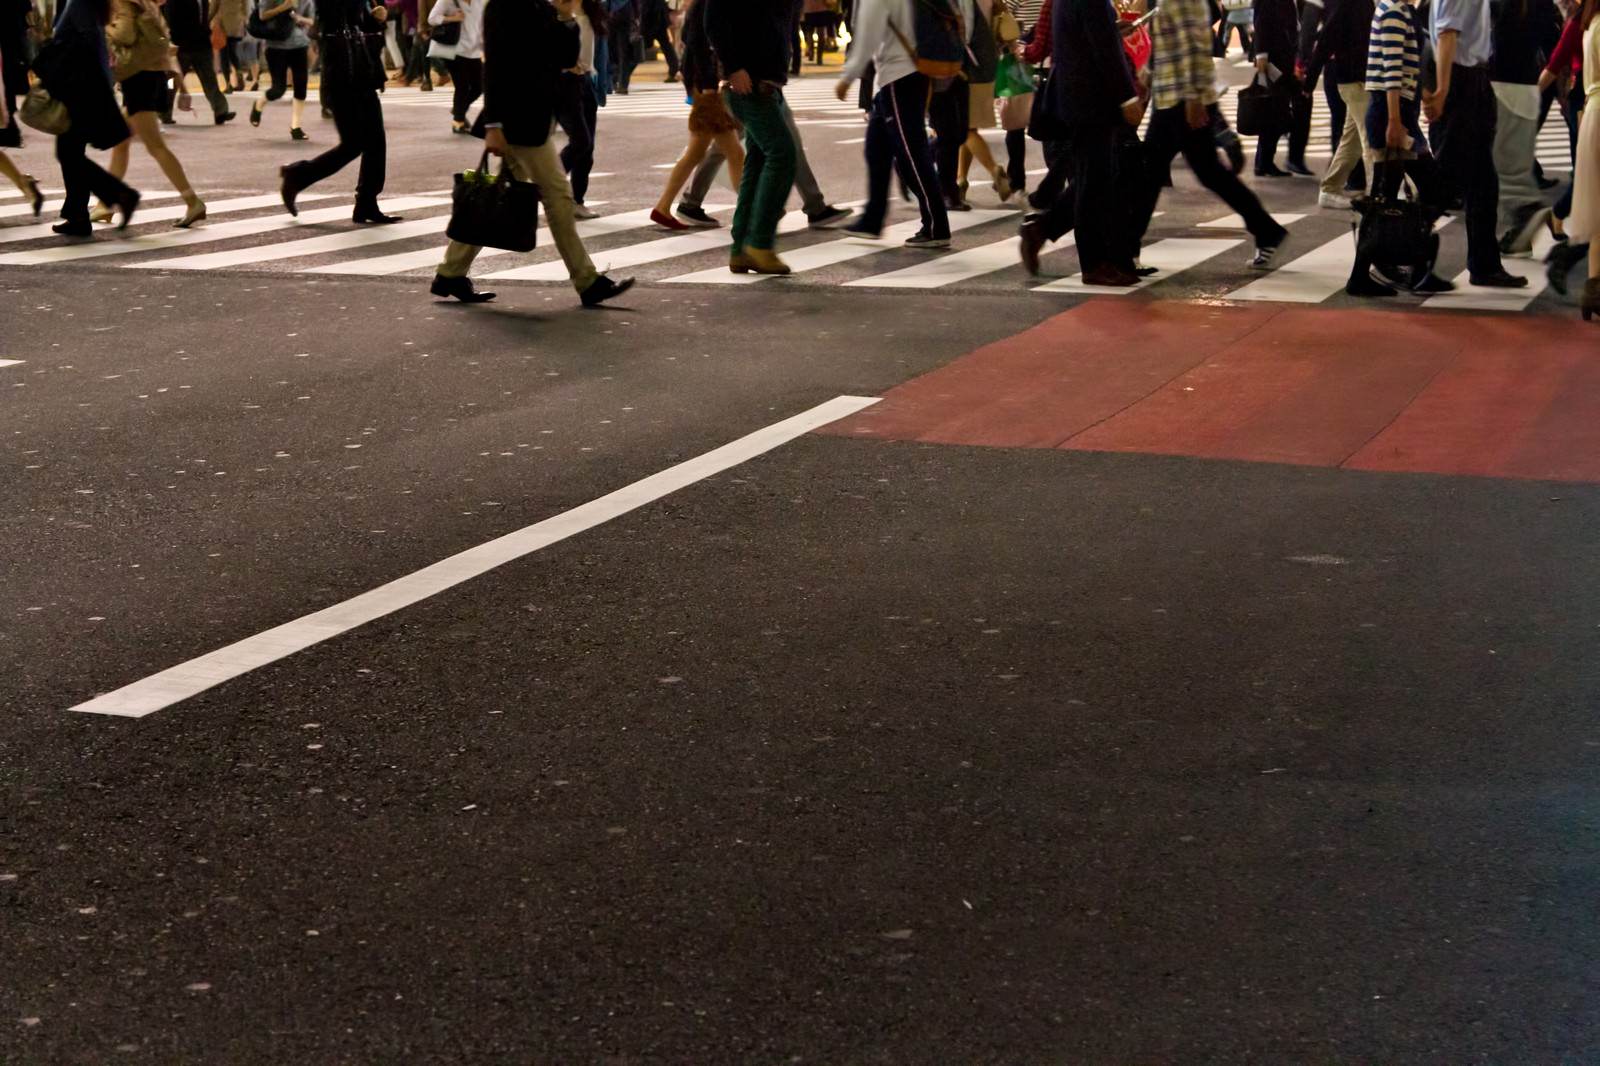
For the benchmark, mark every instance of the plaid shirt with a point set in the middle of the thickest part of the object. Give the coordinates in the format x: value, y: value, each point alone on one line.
x: 1182, y: 68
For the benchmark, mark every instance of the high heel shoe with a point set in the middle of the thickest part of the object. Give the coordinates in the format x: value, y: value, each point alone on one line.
x: 1002, y: 186
x: 196, y: 213
x: 102, y: 213
x: 1591, y: 299
x: 296, y: 133
x: 35, y: 195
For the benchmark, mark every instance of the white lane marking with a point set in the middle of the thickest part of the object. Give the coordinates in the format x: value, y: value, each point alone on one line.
x: 1310, y: 279
x: 52, y: 205
x: 832, y: 253
x: 245, y: 227
x: 12, y: 234
x: 427, y: 257
x: 1237, y: 221
x: 1172, y: 257
x: 949, y: 269
x: 332, y: 242
x: 188, y: 679
x: 852, y: 140
x: 1468, y: 297
x: 631, y: 255
x: 11, y: 362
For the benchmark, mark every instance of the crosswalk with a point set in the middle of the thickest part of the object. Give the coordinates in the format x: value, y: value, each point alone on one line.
x: 1195, y: 258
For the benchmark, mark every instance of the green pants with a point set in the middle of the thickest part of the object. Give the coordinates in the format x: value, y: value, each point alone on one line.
x: 769, y: 165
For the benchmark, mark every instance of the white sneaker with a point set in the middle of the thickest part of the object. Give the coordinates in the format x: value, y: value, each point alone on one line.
x: 581, y: 212
x: 1333, y: 201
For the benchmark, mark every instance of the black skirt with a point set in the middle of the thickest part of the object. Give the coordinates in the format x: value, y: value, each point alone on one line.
x: 145, y: 91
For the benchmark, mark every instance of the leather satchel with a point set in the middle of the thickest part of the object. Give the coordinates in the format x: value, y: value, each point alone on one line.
x: 1394, y: 231
x: 493, y: 211
x: 43, y: 112
x: 1263, y: 110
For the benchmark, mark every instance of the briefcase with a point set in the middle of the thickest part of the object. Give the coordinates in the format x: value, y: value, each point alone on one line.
x: 492, y: 211
x: 1263, y: 110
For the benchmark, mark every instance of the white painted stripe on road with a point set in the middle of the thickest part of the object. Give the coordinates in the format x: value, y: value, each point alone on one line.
x: 844, y: 250
x: 632, y: 255
x: 1310, y: 279
x: 961, y: 266
x: 11, y: 362
x: 1172, y: 257
x: 1467, y: 297
x: 188, y: 679
x: 11, y: 235
x: 155, y: 242
x: 1237, y: 221
x: 51, y: 206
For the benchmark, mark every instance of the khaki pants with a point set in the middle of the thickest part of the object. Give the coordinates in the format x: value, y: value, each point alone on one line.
x: 1353, y: 142
x: 542, y: 166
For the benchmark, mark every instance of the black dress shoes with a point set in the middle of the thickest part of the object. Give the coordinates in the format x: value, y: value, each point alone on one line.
x: 460, y: 288
x: 603, y: 289
x: 368, y: 214
x: 288, y: 189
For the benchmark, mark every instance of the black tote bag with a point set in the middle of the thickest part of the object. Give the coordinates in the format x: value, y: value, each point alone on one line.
x: 1263, y: 110
x: 492, y: 211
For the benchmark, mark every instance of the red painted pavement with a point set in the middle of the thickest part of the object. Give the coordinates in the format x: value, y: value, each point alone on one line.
x: 1495, y: 395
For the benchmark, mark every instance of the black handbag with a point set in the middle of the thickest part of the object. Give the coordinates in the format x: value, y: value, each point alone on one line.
x: 1263, y: 110
x: 1395, y: 232
x: 277, y: 28
x: 493, y: 211
x: 447, y: 34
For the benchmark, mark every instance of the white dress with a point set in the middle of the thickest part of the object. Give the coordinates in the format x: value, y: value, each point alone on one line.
x: 1584, y: 222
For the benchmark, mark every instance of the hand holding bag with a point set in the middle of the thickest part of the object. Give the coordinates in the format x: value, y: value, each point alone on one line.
x: 277, y: 28
x: 1395, y: 232
x: 1263, y: 110
x: 493, y: 211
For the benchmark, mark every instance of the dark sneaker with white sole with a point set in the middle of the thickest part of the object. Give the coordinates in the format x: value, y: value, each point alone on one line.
x: 922, y: 239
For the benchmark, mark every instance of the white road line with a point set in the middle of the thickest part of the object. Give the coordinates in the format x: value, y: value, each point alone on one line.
x: 180, y: 238
x: 11, y: 362
x: 1172, y: 257
x: 53, y: 205
x: 961, y: 266
x: 1469, y: 298
x: 1310, y: 279
x: 832, y: 253
x: 11, y: 235
x: 427, y: 257
x: 632, y: 255
x: 188, y: 679
x: 1237, y: 222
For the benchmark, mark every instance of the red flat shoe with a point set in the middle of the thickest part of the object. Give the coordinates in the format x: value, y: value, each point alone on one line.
x: 666, y: 221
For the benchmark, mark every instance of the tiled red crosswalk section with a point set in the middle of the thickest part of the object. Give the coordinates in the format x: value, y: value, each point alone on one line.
x: 1492, y: 395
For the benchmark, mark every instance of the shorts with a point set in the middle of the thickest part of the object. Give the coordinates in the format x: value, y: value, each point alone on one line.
x: 709, y: 116
x: 145, y: 91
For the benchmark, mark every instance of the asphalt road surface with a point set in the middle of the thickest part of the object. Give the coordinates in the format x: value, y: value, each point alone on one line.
x: 889, y: 664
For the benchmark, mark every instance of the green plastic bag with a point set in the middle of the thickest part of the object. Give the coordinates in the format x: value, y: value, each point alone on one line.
x: 1013, y: 78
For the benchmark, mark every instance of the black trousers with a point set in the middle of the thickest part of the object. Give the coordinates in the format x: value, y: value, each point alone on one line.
x: 1299, y: 125
x: 358, y: 116
x: 1096, y: 204
x: 203, y: 64
x: 624, y: 52
x: 659, y: 38
x: 1017, y: 158
x: 897, y: 138
x: 466, y: 76
x: 1168, y: 135
x: 284, y: 64
x: 83, y: 177
x: 948, y: 115
x: 1463, y: 143
x: 577, y: 112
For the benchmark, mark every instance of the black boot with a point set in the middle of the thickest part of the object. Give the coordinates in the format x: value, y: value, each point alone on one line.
x: 368, y: 213
x: 461, y: 288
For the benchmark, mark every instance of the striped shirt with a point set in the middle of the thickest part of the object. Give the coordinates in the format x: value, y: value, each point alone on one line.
x: 1394, y: 54
x: 1182, y: 68
x: 1026, y: 11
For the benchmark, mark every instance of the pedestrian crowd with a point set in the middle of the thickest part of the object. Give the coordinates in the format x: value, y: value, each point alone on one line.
x: 1436, y: 108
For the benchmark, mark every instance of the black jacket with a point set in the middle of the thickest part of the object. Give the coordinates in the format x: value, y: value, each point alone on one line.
x: 13, y: 45
x: 699, y: 62
x: 1091, y: 78
x: 1276, y: 33
x: 1342, y: 42
x: 752, y: 36
x: 1525, y: 33
x: 188, y: 23
x: 525, y: 49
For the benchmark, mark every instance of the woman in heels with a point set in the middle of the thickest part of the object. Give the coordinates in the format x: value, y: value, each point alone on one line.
x: 13, y: 84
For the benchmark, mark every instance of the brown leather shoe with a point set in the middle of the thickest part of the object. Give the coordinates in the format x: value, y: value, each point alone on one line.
x: 1110, y: 277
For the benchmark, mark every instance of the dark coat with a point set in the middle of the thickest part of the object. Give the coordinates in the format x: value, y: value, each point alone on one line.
x: 1091, y: 78
x: 1276, y: 33
x: 752, y: 36
x: 532, y: 46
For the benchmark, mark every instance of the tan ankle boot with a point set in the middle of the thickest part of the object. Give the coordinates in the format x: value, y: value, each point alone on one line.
x: 765, y: 261
x: 739, y: 263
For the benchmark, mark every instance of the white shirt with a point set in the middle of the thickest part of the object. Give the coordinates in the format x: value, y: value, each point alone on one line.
x: 471, y: 44
x: 585, y: 43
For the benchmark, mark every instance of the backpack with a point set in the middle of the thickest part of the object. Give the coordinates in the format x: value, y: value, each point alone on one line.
x: 941, y: 38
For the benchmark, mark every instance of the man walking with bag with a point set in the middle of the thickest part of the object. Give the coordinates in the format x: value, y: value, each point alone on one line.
x: 526, y: 46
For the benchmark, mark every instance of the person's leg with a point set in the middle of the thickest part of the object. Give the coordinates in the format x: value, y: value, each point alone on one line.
x: 1017, y: 158
x: 9, y: 171
x: 542, y: 166
x: 663, y: 40
x: 1516, y: 141
x: 1201, y: 154
x: 1266, y: 152
x: 694, y: 153
x: 300, y: 71
x: 762, y: 200
x: 204, y: 64
x: 1299, y: 122
x: 1336, y: 113
x: 704, y: 177
x: 460, y: 88
x: 978, y: 149
x: 812, y: 202
x: 1352, y: 140
x: 118, y: 164
x: 307, y: 172
x: 75, y: 177
x: 147, y: 127
x: 1162, y: 141
x: 1093, y: 199
x: 278, y: 75
x: 949, y: 131
x: 374, y: 147
x: 1481, y: 188
x: 879, y: 153
x: 908, y: 101
x: 226, y: 64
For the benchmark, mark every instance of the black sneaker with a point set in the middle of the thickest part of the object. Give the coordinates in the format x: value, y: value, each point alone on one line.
x: 603, y: 289
x: 1431, y: 283
x: 859, y: 228
x: 828, y: 217
x: 696, y: 216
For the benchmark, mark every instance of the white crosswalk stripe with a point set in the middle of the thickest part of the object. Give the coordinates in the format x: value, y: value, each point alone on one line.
x: 1170, y: 257
x: 53, y: 204
x: 18, y: 234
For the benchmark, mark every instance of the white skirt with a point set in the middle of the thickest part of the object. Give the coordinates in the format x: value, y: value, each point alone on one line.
x: 1584, y: 222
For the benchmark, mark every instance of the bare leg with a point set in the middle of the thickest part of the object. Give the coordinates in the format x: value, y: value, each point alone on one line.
x: 692, y: 156
x: 148, y: 129
x: 979, y: 148
x: 12, y: 174
x: 963, y: 164
x: 734, y: 152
